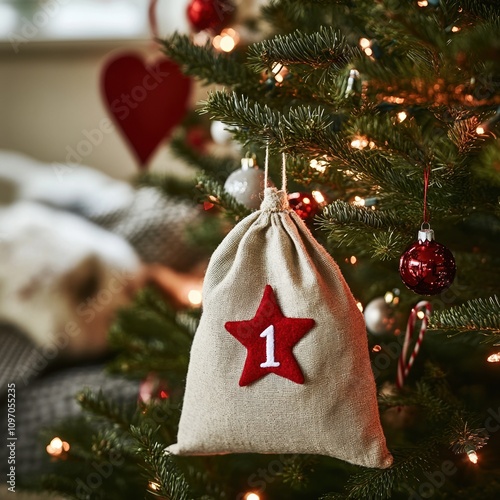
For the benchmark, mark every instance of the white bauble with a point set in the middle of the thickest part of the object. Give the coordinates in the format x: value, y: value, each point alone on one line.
x: 219, y: 133
x: 382, y: 318
x: 246, y: 184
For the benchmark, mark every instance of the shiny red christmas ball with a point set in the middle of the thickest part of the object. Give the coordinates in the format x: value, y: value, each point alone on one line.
x: 210, y: 15
x: 304, y: 205
x: 427, y: 267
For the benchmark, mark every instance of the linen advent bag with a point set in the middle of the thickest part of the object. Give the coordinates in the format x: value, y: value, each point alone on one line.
x: 279, y: 362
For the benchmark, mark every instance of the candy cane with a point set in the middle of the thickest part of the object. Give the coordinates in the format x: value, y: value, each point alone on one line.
x: 403, y: 365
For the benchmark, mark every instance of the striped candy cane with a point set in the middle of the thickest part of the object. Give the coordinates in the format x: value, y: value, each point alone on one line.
x: 403, y: 365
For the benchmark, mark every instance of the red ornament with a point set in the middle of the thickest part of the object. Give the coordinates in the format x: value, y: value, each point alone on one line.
x: 427, y: 267
x: 304, y: 205
x: 210, y: 15
x: 269, y: 339
x: 145, y: 102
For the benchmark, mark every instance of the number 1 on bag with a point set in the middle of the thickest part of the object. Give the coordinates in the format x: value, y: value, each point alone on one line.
x: 268, y: 333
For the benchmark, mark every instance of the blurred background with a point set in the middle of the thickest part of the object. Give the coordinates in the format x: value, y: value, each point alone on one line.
x: 51, y: 56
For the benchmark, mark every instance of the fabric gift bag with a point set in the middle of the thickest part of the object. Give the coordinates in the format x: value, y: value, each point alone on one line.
x: 279, y: 362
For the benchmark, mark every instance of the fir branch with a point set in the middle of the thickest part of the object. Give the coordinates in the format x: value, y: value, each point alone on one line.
x: 214, y: 192
x: 206, y: 64
x: 380, y: 483
x: 100, y: 406
x: 477, y: 315
x: 341, y: 212
x: 159, y: 466
x: 216, y: 165
x: 326, y: 48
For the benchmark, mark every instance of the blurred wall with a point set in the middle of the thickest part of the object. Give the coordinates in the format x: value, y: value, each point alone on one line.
x: 49, y: 97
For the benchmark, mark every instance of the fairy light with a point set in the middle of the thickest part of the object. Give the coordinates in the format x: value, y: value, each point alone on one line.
x: 420, y: 315
x: 318, y: 196
x: 194, y: 297
x: 455, y: 29
x: 57, y: 447
x: 494, y: 358
x: 318, y: 165
x: 358, y: 201
x: 473, y: 456
x: 480, y: 130
x: 422, y: 3
x: 353, y: 259
x: 279, y: 71
x: 252, y: 496
x: 226, y: 41
x: 360, y: 306
x: 402, y: 116
x: 154, y: 486
x: 364, y: 43
x: 368, y: 51
x: 376, y: 348
x: 389, y: 297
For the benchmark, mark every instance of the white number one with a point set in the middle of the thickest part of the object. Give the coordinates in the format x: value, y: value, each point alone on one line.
x: 269, y: 334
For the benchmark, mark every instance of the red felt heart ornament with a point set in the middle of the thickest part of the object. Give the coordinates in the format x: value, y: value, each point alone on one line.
x: 145, y: 101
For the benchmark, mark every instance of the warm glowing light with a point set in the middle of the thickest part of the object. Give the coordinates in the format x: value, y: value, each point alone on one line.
x: 364, y: 43
x: 360, y: 202
x: 420, y: 315
x: 318, y: 197
x: 473, y: 456
x: 376, y: 348
x: 402, y: 116
x: 389, y: 297
x: 361, y: 143
x: 226, y: 41
x: 194, y: 297
x: 455, y: 29
x: 360, y: 306
x: 494, y: 358
x: 422, y: 3
x: 153, y: 486
x: 368, y: 51
x: 57, y: 446
x: 252, y: 496
x: 279, y: 72
x: 353, y: 260
x: 318, y: 165
x: 480, y: 130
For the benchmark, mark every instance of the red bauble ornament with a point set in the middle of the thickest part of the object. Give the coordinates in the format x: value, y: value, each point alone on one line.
x: 304, y: 205
x: 427, y: 267
x: 210, y: 15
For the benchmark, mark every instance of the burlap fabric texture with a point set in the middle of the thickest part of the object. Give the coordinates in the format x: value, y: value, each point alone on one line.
x: 333, y: 411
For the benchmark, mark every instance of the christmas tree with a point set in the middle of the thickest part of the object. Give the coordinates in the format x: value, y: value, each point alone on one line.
x: 387, y: 112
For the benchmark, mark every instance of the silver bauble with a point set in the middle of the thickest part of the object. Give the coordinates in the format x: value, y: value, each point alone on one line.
x: 246, y: 184
x: 382, y: 318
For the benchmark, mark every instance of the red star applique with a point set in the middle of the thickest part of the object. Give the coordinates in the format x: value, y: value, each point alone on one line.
x: 269, y: 339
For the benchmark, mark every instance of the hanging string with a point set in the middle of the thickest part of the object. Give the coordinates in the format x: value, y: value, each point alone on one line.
x: 153, y: 24
x: 283, y: 172
x: 427, y: 173
x: 266, y: 165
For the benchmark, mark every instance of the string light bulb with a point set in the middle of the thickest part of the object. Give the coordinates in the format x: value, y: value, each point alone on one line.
x: 422, y: 3
x: 360, y: 306
x: 480, y: 130
x: 494, y: 358
x: 473, y: 456
x: 402, y: 116
x: 319, y: 165
x: 226, y: 41
x: 318, y: 196
x: 57, y: 447
x: 154, y: 486
x: 251, y: 496
x: 194, y: 297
